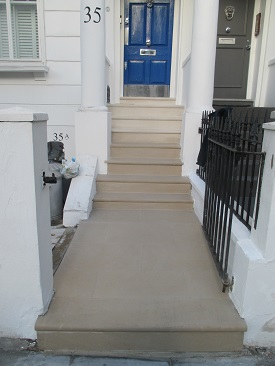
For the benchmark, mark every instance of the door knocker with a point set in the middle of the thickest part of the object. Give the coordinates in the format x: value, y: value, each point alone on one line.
x: 150, y: 3
x: 229, y: 12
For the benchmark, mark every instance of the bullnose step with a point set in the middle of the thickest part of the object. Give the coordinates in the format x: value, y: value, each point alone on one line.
x: 145, y: 166
x: 143, y: 184
x: 143, y: 200
x: 145, y: 136
x: 137, y: 161
x: 146, y: 145
x: 142, y: 179
x: 148, y: 101
x: 146, y: 130
x: 143, y: 111
x: 139, y: 150
x: 147, y: 123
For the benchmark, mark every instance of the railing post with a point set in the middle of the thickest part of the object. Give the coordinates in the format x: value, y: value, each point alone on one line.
x: 264, y: 234
x: 26, y: 274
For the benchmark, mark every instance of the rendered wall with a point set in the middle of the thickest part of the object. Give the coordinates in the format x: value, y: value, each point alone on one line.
x: 265, y: 88
x: 59, y: 94
x: 26, y: 277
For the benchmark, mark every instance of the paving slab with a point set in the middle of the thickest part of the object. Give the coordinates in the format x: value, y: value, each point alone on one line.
x: 16, y: 358
x: 23, y: 352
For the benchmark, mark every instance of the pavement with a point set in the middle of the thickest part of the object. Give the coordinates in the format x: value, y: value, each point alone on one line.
x: 16, y: 352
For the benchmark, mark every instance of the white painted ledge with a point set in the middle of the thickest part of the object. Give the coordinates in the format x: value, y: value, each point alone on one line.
x: 270, y: 125
x: 19, y: 114
x: 82, y: 190
x: 38, y: 70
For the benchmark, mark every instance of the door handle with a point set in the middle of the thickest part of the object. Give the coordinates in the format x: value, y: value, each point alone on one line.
x: 248, y: 45
x: 148, y: 42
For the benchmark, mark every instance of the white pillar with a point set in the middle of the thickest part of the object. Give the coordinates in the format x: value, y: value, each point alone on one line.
x: 93, y: 121
x: 92, y: 41
x: 26, y: 274
x: 201, y: 84
x: 203, y: 55
x: 264, y: 234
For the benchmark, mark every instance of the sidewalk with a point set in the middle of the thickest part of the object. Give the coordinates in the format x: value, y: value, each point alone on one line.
x: 21, y: 353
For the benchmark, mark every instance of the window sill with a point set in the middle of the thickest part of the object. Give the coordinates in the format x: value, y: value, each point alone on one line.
x: 39, y: 71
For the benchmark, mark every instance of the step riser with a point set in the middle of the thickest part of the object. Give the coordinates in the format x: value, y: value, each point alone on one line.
x: 132, y: 152
x: 110, y: 343
x: 144, y: 169
x: 144, y: 205
x: 142, y: 187
x: 156, y: 102
x: 147, y: 124
x: 144, y: 112
x: 129, y: 137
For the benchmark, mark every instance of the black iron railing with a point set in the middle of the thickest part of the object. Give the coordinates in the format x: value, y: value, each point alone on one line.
x: 231, y: 164
x: 241, y: 130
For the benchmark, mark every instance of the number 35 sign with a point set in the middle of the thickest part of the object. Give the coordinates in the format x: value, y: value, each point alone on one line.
x: 92, y: 14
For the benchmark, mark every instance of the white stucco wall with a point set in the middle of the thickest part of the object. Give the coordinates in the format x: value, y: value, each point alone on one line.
x: 59, y: 94
x: 26, y: 277
x: 186, y: 23
x: 255, y: 70
x: 265, y: 88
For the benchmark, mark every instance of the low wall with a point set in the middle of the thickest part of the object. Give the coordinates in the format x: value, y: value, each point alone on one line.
x: 253, y: 293
x: 26, y: 274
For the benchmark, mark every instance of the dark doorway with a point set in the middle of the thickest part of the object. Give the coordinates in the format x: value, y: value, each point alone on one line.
x: 233, y: 48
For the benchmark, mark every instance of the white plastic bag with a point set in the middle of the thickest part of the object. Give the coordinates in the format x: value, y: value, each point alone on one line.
x: 70, y: 169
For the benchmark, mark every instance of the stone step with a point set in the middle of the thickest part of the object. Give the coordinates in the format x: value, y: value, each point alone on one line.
x: 140, y: 343
x: 136, y: 150
x: 147, y: 124
x: 142, y: 184
x: 168, y: 102
x: 145, y: 166
x: 128, y: 136
x: 160, y: 201
x: 145, y: 111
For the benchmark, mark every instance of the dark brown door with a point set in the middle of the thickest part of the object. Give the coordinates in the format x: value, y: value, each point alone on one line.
x: 233, y: 48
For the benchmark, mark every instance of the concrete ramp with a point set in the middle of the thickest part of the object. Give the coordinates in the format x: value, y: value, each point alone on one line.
x: 139, y: 281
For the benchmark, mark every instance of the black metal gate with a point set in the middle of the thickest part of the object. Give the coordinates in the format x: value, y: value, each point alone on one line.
x: 232, y: 144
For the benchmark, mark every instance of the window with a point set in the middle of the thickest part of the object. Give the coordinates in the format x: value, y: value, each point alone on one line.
x: 18, y: 30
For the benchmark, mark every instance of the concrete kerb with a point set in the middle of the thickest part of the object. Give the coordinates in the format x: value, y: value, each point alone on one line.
x: 24, y: 352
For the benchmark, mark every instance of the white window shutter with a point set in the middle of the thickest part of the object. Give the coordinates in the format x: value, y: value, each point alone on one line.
x: 4, y: 40
x: 25, y: 31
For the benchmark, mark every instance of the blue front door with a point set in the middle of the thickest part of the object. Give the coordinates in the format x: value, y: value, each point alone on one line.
x: 148, y: 42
